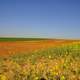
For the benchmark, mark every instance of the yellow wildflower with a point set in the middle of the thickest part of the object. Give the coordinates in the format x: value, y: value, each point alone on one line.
x: 3, y: 77
x: 62, y: 78
x: 55, y: 73
x: 49, y: 57
x: 36, y: 78
x: 56, y: 67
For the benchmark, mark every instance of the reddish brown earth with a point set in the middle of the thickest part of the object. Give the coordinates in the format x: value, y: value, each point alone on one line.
x: 9, y: 48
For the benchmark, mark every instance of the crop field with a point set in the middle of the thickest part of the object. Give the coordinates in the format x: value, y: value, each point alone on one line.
x: 43, y: 59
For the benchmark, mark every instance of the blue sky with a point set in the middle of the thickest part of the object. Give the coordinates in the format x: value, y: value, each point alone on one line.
x: 40, y: 18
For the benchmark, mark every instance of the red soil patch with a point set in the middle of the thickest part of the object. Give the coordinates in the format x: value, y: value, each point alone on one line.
x: 9, y: 48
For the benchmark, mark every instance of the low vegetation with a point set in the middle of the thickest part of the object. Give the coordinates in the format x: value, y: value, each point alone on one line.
x: 20, y: 39
x: 59, y: 63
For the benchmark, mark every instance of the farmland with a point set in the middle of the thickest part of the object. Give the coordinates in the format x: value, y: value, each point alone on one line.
x: 9, y: 46
x: 44, y: 59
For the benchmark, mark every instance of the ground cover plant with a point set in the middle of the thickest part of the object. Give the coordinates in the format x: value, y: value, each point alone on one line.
x: 20, y: 39
x: 55, y: 63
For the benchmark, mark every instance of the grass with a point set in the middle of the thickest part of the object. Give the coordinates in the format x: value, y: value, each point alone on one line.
x: 2, y: 39
x: 59, y: 63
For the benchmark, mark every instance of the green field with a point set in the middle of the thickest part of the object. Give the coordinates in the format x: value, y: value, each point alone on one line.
x: 20, y: 39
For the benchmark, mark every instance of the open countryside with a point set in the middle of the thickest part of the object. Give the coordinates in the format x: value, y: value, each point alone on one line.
x: 49, y: 59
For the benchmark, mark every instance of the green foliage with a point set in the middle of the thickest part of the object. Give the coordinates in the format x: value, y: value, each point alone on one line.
x: 20, y: 39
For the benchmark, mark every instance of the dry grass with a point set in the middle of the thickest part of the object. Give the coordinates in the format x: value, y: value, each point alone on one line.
x: 54, y: 63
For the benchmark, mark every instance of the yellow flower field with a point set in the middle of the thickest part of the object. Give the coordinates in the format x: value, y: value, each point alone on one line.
x: 59, y: 63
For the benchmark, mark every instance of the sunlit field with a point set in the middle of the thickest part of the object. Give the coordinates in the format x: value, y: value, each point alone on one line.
x: 43, y: 61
